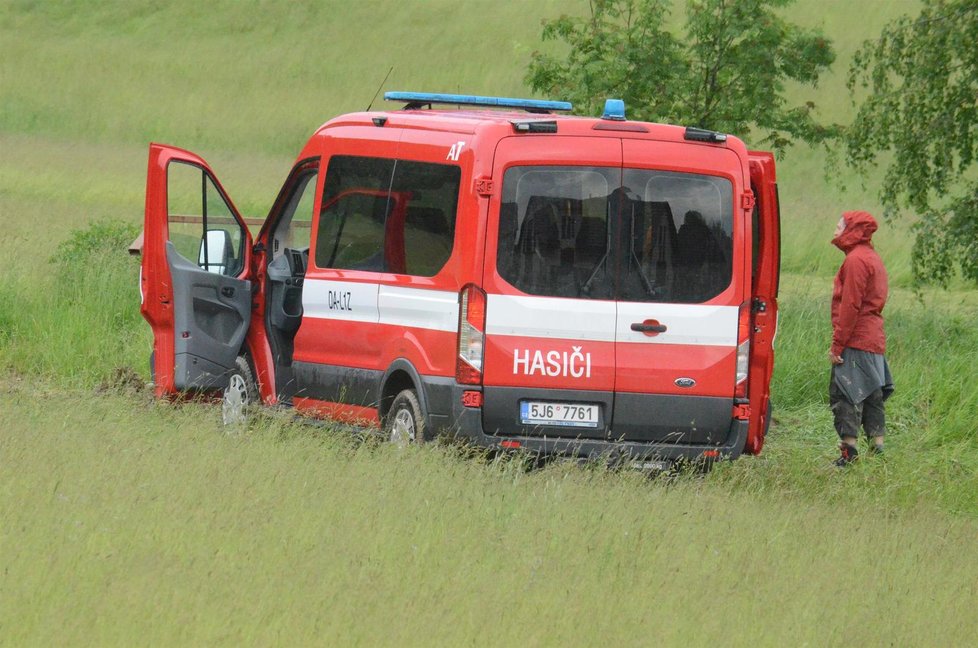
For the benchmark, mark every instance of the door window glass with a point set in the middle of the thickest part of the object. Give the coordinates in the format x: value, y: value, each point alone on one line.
x: 292, y: 231
x: 430, y: 194
x: 353, y: 213
x: 200, y: 222
x: 351, y: 232
x: 553, y: 230
x: 384, y: 216
x: 679, y: 241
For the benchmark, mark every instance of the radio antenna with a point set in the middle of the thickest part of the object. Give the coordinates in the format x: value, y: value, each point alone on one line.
x: 379, y: 88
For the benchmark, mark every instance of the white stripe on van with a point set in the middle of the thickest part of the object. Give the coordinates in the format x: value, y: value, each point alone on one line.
x: 519, y: 315
x: 551, y: 317
x: 690, y: 324
x: 608, y: 321
x: 343, y: 300
x: 435, y: 310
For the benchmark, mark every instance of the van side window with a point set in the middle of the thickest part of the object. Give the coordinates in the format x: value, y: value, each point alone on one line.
x: 608, y: 233
x: 429, y: 216
x: 201, y: 225
x: 382, y: 215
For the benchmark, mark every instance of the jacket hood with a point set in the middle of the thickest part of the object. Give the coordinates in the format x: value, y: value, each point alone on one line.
x: 860, y: 226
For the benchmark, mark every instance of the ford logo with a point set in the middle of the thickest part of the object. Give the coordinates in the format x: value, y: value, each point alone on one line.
x: 685, y: 382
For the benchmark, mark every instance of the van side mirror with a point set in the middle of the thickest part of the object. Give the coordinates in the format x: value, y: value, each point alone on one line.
x: 215, y: 251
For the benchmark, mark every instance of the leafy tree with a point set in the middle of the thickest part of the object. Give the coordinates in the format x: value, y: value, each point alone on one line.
x: 921, y: 76
x: 727, y: 72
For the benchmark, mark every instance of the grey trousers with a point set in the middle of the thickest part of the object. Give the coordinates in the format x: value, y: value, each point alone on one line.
x: 848, y: 417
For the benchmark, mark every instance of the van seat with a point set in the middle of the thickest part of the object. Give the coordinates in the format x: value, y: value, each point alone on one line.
x: 592, y: 239
x: 538, y: 245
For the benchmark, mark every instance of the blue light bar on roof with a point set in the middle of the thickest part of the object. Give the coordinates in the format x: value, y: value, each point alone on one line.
x: 533, y: 105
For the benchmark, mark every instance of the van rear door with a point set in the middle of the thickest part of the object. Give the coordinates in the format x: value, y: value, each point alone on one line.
x: 195, y: 275
x: 679, y: 292
x: 765, y: 273
x: 549, y: 356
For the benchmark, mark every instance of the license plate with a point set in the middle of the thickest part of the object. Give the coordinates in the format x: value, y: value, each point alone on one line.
x: 651, y: 465
x: 562, y: 414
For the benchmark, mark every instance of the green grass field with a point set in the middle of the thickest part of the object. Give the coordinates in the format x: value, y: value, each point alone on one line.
x: 124, y: 521
x: 138, y: 522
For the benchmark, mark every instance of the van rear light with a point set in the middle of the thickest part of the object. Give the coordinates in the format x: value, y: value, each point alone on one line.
x: 471, y: 335
x: 743, y: 351
x: 743, y: 361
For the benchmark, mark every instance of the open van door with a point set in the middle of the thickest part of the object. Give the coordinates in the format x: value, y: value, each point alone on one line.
x: 765, y: 273
x: 195, y: 285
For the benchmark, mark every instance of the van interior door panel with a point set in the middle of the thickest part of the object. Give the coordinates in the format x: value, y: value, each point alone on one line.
x: 211, y: 314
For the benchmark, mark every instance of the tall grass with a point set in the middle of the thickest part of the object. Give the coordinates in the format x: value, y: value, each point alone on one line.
x: 81, y: 323
x: 82, y: 328
x: 256, y: 77
x: 129, y: 519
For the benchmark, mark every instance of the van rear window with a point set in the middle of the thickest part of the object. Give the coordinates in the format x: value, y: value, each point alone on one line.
x: 385, y: 215
x: 608, y: 233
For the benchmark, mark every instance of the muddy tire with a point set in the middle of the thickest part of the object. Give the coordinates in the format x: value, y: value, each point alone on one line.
x: 404, y: 424
x: 241, y: 395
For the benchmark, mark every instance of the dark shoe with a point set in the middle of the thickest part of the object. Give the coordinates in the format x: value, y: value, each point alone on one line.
x: 849, y: 454
x: 875, y: 450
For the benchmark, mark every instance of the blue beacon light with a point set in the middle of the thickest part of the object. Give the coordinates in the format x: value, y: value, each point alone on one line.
x: 614, y: 109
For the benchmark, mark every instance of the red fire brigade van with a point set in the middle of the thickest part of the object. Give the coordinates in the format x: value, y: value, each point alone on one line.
x: 565, y: 285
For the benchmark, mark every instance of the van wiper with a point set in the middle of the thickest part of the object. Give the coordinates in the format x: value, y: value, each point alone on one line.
x: 602, y: 262
x: 649, y: 288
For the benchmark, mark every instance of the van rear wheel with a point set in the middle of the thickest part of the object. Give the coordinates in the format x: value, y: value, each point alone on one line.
x: 241, y: 394
x: 405, y: 422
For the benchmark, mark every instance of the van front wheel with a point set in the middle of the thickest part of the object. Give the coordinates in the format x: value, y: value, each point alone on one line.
x: 405, y: 422
x: 241, y: 394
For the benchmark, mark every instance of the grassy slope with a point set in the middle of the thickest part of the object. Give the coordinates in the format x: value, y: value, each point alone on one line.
x: 249, y: 76
x: 84, y: 86
x: 231, y: 83
x: 153, y: 523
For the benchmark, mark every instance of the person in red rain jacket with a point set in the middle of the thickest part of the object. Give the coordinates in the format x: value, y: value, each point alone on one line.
x: 861, y: 380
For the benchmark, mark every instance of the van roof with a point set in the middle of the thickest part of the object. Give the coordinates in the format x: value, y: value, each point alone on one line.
x: 497, y: 117
x: 472, y: 121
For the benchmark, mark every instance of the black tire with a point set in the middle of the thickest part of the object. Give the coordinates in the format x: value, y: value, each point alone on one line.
x: 405, y: 422
x: 241, y: 395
